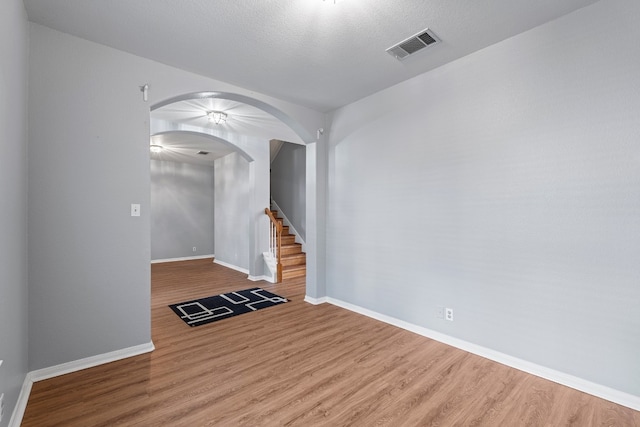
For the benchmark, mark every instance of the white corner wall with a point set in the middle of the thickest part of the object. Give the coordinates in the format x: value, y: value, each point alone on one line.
x: 503, y: 185
x: 13, y: 202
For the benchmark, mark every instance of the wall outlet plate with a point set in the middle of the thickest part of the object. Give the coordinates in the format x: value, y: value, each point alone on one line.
x: 448, y: 314
x: 439, y: 312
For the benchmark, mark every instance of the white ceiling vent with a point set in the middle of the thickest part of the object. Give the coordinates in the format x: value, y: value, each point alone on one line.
x: 413, y: 44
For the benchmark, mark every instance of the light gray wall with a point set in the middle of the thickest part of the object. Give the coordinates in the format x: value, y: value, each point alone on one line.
x: 232, y: 198
x: 182, y: 214
x: 288, y: 184
x: 89, y: 275
x: 504, y: 185
x: 13, y: 201
x: 88, y: 271
x: 258, y: 200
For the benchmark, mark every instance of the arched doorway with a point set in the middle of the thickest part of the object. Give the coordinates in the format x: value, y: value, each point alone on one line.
x: 297, y: 133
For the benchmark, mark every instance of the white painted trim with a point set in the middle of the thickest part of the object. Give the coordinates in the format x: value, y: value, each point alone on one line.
x: 286, y: 222
x: 315, y: 301
x: 67, y: 368
x: 21, y: 404
x: 270, y: 262
x: 231, y: 266
x: 258, y: 278
x: 90, y: 362
x: 594, y: 389
x: 186, y: 258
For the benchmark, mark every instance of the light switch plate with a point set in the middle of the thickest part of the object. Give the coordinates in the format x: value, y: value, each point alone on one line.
x: 135, y: 209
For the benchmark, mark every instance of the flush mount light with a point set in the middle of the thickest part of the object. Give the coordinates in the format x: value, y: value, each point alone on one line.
x: 155, y: 148
x: 217, y: 117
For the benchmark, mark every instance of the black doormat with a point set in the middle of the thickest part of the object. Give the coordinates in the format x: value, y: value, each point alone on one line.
x: 218, y: 307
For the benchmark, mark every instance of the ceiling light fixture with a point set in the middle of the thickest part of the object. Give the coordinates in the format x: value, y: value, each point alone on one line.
x: 217, y: 117
x: 155, y: 148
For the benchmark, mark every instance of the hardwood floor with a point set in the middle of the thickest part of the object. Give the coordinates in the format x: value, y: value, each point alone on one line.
x: 296, y: 364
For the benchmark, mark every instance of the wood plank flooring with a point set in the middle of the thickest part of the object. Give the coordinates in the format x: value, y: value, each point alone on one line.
x: 296, y: 364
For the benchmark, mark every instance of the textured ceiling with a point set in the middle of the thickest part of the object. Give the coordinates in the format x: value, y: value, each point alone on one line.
x: 312, y: 52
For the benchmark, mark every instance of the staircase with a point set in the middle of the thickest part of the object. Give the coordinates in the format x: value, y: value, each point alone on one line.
x: 294, y: 261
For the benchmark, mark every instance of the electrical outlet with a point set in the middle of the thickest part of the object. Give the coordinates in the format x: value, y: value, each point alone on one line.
x: 439, y: 312
x: 448, y: 314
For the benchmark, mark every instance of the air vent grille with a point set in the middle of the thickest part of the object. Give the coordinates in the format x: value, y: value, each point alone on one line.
x: 413, y: 44
x: 427, y: 38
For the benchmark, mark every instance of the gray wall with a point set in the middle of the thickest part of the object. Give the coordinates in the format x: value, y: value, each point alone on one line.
x: 504, y: 185
x: 89, y: 290
x: 13, y: 201
x: 288, y: 184
x: 258, y: 232
x: 232, y: 199
x: 182, y: 214
x: 89, y: 275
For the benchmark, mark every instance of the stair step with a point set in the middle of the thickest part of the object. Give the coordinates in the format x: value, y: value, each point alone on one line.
x: 288, y: 239
x: 297, y: 259
x: 294, y: 248
x: 294, y: 271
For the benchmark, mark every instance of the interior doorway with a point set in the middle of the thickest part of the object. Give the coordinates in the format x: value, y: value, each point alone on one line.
x: 248, y: 126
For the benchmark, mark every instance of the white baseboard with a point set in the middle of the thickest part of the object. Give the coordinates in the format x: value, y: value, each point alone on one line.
x: 594, y: 389
x: 258, y: 278
x: 245, y: 271
x: 315, y: 301
x: 66, y: 368
x: 90, y: 362
x: 286, y: 222
x: 231, y: 266
x: 21, y: 404
x: 186, y: 258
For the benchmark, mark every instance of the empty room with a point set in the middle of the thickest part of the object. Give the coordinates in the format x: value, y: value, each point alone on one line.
x: 320, y: 212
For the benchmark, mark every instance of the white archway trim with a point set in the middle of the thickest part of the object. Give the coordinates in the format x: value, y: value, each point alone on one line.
x: 275, y: 112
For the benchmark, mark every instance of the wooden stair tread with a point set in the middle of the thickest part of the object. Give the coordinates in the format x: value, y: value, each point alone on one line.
x: 291, y: 249
x: 289, y: 272
x: 294, y: 261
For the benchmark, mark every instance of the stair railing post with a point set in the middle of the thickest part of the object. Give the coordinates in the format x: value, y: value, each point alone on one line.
x: 275, y: 243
